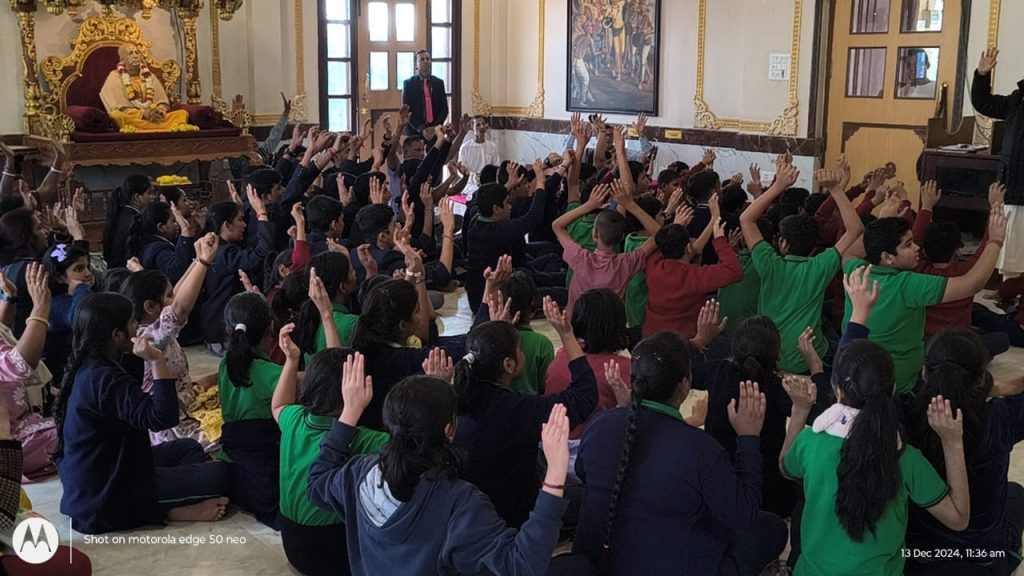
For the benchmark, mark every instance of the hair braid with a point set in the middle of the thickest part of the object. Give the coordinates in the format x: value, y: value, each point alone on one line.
x: 627, y: 452
x: 60, y: 408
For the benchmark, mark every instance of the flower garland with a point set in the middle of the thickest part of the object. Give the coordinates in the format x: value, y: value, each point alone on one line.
x: 129, y: 88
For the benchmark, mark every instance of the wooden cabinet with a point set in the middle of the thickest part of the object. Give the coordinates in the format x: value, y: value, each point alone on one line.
x: 964, y: 179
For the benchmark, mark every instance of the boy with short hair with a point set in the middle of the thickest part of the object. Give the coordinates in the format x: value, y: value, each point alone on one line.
x: 326, y: 219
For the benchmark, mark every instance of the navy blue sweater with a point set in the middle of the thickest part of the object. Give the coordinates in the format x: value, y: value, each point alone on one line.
x: 447, y: 527
x: 680, y: 498
x: 222, y: 281
x: 501, y: 431
x: 107, y: 470
x: 171, y: 258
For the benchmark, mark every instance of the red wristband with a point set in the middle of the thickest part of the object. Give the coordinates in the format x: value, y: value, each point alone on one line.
x: 555, y: 486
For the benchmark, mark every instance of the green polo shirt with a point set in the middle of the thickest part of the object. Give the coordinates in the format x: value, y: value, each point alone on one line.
x: 739, y: 301
x: 581, y: 230
x: 250, y: 402
x: 792, y: 294
x: 301, y: 433
x: 344, y: 320
x: 636, y: 290
x: 539, y: 353
x: 897, y: 321
x: 827, y: 547
x: 662, y: 408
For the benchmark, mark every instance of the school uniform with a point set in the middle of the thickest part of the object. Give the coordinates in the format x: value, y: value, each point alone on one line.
x: 58, y: 333
x: 116, y: 255
x: 447, y: 527
x: 250, y: 438
x: 738, y: 301
x: 500, y: 433
x: 600, y: 269
x: 560, y: 377
x: 539, y: 352
x: 109, y: 470
x: 636, y: 290
x: 171, y: 258
x: 683, y: 508
x: 222, y: 281
x: 311, y: 535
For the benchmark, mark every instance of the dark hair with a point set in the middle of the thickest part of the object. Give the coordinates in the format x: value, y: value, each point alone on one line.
x: 320, y: 390
x: 490, y: 343
x: 114, y: 279
x: 410, y: 140
x: 800, y: 231
x: 220, y: 214
x: 792, y: 200
x: 416, y: 412
x: 273, y: 261
x: 636, y: 169
x: 884, y: 235
x: 666, y: 177
x: 96, y: 318
x: 650, y: 205
x: 18, y: 236
x: 755, y: 350
x: 661, y: 362
x: 490, y: 196
x: 9, y: 203
x: 322, y: 211
x: 599, y: 320
x: 610, y: 227
x: 869, y: 471
x: 372, y: 220
x: 152, y: 216
x: 263, y: 181
x: 333, y: 269
x: 55, y: 266
x: 172, y: 194
x: 488, y: 174
x: 702, y: 185
x: 144, y: 286
x: 133, y: 185
x: 361, y: 186
x: 731, y: 200
x: 384, y: 308
x: 522, y: 291
x: 813, y: 202
x: 956, y: 368
x: 289, y: 298
x: 941, y: 241
x: 672, y: 241
x: 241, y: 348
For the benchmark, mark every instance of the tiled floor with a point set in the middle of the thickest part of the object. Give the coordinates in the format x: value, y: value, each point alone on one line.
x: 238, y: 545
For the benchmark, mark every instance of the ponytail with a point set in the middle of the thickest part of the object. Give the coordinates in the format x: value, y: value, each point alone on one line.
x: 416, y: 413
x: 868, y: 473
x: 333, y: 269
x: 755, y: 350
x: 146, y: 224
x: 956, y: 368
x: 487, y: 347
x: 133, y: 185
x: 247, y: 319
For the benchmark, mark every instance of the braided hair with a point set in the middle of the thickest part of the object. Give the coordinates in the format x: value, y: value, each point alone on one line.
x: 97, y: 317
x: 660, y: 365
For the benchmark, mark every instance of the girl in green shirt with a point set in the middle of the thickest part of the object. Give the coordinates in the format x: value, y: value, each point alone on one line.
x: 339, y: 280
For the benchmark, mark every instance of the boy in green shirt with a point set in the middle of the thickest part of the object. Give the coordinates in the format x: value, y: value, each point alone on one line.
x: 739, y: 301
x: 793, y: 282
x: 898, y: 322
x: 537, y: 348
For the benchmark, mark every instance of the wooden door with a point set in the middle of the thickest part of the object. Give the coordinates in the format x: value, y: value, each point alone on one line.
x: 889, y: 60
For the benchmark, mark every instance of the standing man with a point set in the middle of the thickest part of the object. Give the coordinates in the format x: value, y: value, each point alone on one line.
x: 478, y: 153
x: 1009, y: 109
x: 425, y: 96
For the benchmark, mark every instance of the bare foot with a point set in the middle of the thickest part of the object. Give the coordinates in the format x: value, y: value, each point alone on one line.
x: 210, y: 510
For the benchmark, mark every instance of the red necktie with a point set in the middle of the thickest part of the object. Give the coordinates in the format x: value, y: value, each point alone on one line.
x: 429, y: 104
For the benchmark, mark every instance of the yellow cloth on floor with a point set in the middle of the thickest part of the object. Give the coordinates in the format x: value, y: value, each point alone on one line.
x: 206, y: 410
x: 133, y: 117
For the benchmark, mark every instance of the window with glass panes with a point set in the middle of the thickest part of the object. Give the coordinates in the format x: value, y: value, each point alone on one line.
x: 337, y: 105
x: 442, y: 41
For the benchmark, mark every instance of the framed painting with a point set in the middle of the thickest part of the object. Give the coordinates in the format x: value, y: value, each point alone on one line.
x: 613, y: 56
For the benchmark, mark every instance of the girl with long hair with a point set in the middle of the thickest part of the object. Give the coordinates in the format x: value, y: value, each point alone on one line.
x: 162, y: 311
x: 246, y: 380
x: 162, y: 239
x: 956, y: 368
x: 660, y: 495
x: 71, y: 281
x: 498, y: 427
x: 124, y: 205
x: 406, y: 511
x: 338, y: 278
x: 113, y: 479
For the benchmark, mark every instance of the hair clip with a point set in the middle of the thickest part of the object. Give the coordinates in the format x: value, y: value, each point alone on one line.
x: 60, y: 253
x: 469, y: 358
x: 240, y: 327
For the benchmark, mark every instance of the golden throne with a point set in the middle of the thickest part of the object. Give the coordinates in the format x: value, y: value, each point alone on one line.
x: 69, y: 109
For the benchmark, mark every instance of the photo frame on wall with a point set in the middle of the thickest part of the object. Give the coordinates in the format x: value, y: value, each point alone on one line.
x: 613, y: 56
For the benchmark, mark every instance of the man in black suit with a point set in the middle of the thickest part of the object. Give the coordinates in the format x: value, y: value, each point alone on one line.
x: 425, y: 96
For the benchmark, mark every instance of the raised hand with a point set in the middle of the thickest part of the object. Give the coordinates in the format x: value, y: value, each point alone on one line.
x: 997, y: 222
x: 345, y: 194
x: 133, y: 264
x: 515, y: 178
x: 621, y: 389
x: 930, y: 195
x: 378, y: 193
x: 996, y: 193
x: 318, y: 294
x: 684, y: 215
x: 247, y: 282
x: 37, y: 280
x: 718, y: 228
x: 827, y: 179
x: 285, y: 343
x: 786, y: 176
x: 709, y: 157
x: 714, y: 207
x: 747, y: 415
x: 75, y: 228
x: 500, y: 309
x: 675, y: 200
x: 949, y: 428
x: 408, y: 208
x: 558, y: 318
x: 736, y: 239
x: 806, y: 346
x: 708, y: 324
x: 142, y: 346
x: 447, y: 216
x: 598, y: 198
x: 403, y: 116
x: 206, y: 247
x: 621, y: 193
x: 554, y: 436
x: 356, y: 389
x: 439, y: 364
x: 989, y: 59
x: 892, y: 207
x: 641, y: 124
x: 333, y: 246
x: 495, y: 277
x: 256, y: 202
x: 366, y: 259
x: 802, y: 392
x: 863, y: 293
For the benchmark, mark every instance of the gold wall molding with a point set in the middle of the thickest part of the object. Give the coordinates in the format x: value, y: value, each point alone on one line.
x: 534, y: 109
x: 215, y: 50
x: 300, y: 109
x: 787, y: 123
x: 984, y: 123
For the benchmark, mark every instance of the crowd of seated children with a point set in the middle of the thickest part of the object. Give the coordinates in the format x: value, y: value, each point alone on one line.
x: 341, y: 417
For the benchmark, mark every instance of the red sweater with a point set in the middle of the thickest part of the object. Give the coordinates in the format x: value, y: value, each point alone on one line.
x: 678, y: 289
x: 558, y: 379
x: 956, y: 314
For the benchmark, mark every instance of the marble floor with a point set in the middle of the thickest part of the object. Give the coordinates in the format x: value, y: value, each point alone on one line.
x: 239, y: 545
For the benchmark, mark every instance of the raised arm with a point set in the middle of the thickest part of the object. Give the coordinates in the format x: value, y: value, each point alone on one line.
x: 982, y: 99
x: 47, y: 190
x: 187, y: 291
x: 623, y: 197
x: 284, y: 392
x: 598, y: 199
x: 784, y: 178
x: 581, y: 133
x: 974, y: 280
x: 954, y: 511
x: 32, y: 340
x: 835, y: 182
x: 802, y: 392
x: 622, y: 161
